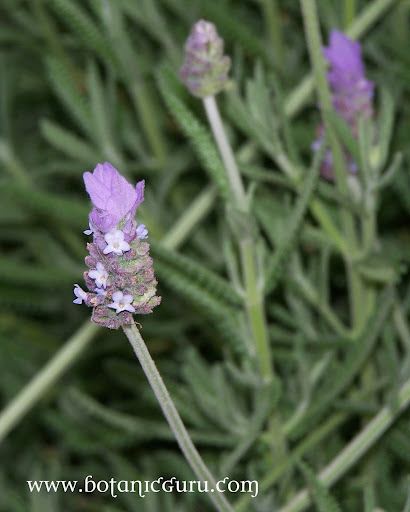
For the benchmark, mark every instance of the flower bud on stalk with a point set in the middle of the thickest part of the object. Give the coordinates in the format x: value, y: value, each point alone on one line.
x: 205, y: 69
x: 121, y: 279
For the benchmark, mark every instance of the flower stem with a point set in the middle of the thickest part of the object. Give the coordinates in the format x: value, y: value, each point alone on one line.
x: 349, y: 12
x: 172, y: 416
x: 44, y: 379
x: 273, y: 23
x: 368, y: 17
x: 234, y: 177
x: 255, y: 308
x: 312, y: 30
x: 355, y: 449
x: 254, y: 299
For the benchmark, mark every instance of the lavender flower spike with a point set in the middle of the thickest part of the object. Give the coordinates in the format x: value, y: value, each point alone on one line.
x: 205, y: 69
x: 120, y: 278
x: 352, y: 93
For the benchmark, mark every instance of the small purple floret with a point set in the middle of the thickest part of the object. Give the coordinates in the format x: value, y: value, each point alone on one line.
x: 116, y: 242
x: 80, y: 294
x: 122, y: 302
x: 100, y: 275
x: 142, y: 232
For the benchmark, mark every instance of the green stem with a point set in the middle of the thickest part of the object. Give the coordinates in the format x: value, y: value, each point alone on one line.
x: 172, y: 416
x: 358, y: 302
x: 234, y: 177
x: 369, y: 228
x: 255, y: 309
x: 315, y: 46
x: 356, y: 299
x: 254, y: 299
x: 349, y: 12
x: 272, y: 17
x: 366, y: 19
x: 354, y: 450
x: 44, y: 380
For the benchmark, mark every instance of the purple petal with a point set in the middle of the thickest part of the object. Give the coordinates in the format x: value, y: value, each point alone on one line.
x: 344, y: 55
x: 112, y: 196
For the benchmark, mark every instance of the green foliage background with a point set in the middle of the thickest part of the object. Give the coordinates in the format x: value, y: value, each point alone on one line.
x: 82, y: 82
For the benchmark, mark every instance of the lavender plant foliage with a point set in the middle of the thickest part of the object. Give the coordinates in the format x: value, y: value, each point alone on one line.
x: 205, y: 69
x: 120, y: 278
x: 352, y: 93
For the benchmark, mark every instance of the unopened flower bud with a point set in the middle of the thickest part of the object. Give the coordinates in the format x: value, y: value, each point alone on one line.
x: 205, y: 69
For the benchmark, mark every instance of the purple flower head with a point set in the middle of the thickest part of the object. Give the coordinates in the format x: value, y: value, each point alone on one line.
x: 205, y: 69
x: 120, y: 278
x: 112, y: 196
x: 344, y: 57
x: 352, y: 92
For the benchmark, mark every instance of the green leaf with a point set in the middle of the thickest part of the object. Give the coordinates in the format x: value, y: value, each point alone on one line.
x: 69, y: 143
x: 85, y: 28
x: 356, y: 356
x: 68, y: 91
x: 387, y: 178
x: 277, y: 262
x: 324, y: 501
x: 102, y: 122
x: 217, y: 286
x: 69, y: 211
x: 224, y: 318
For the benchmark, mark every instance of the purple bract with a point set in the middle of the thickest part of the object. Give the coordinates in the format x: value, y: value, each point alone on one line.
x: 114, y: 199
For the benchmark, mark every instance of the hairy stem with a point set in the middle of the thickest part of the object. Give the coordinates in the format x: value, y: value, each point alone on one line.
x: 234, y: 177
x: 274, y: 26
x: 174, y: 420
x: 357, y: 293
x: 254, y: 299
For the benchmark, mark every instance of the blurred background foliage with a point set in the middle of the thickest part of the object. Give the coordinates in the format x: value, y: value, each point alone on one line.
x: 86, y: 81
